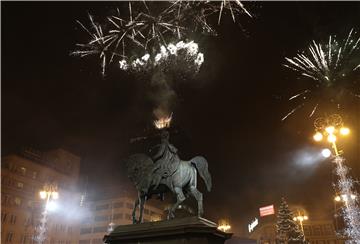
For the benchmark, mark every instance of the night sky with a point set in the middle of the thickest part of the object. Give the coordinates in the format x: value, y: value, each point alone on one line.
x: 230, y: 113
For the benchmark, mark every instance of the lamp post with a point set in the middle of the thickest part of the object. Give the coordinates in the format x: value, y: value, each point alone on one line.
x: 301, y: 218
x: 332, y: 128
x: 48, y: 193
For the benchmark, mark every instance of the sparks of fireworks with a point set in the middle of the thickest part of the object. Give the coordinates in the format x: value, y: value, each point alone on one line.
x: 169, y: 56
x: 158, y: 29
x: 329, y: 65
x: 351, y: 210
x: 235, y: 6
x: 97, y: 45
x: 197, y: 13
x: 118, y: 35
x: 163, y: 122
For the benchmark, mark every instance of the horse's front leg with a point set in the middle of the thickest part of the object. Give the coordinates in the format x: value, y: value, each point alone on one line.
x: 134, y: 210
x: 180, y: 197
x: 142, y: 203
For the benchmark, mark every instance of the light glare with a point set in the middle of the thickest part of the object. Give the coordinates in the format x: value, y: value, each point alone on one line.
x: 51, y: 206
x: 318, y: 136
x: 330, y: 129
x: 344, y: 131
x: 43, y: 194
x: 331, y: 138
x: 326, y: 153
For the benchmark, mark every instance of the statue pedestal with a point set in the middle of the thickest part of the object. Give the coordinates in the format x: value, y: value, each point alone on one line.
x: 190, y: 230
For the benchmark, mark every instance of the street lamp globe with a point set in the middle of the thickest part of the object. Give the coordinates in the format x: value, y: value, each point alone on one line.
x: 318, y: 136
x: 330, y: 129
x: 331, y: 138
x: 344, y: 131
x: 326, y: 152
x: 43, y: 194
x: 55, y: 195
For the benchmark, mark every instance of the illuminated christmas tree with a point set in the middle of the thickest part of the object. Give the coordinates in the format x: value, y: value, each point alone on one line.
x: 287, y: 230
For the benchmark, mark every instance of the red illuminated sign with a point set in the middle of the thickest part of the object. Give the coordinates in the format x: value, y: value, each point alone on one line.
x: 267, y: 210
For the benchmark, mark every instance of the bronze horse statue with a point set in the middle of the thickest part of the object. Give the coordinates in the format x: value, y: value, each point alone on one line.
x: 182, y: 182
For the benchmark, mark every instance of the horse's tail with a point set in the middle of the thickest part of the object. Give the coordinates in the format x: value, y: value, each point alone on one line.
x: 201, y: 165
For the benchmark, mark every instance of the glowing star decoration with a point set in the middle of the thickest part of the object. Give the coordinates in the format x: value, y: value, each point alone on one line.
x: 332, y: 66
x: 179, y: 56
x: 163, y: 122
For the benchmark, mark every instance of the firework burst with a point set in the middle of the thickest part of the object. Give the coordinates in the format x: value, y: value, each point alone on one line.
x: 196, y: 14
x: 119, y: 36
x: 333, y: 66
x: 181, y: 56
x: 97, y: 45
x: 147, y: 26
x: 234, y: 6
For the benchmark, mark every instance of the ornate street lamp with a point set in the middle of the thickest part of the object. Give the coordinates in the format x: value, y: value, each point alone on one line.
x: 301, y: 218
x: 332, y: 128
x: 48, y: 193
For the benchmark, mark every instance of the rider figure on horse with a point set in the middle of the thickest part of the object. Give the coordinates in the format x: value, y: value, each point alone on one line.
x: 166, y: 160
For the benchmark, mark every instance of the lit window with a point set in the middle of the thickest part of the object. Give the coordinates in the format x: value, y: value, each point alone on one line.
x: 3, y: 217
x: 85, y: 231
x: 84, y: 241
x: 12, y: 167
x: 24, y: 238
x: 101, y: 218
x: 20, y: 185
x: 9, y: 236
x: 34, y: 175
x: 100, y: 229
x: 5, y: 200
x: 118, y: 216
x: 101, y: 207
x: 23, y: 170
x: 17, y: 201
x: 69, y: 230
x: 12, y: 219
x: 118, y: 205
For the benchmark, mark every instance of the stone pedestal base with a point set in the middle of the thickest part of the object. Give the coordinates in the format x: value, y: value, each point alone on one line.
x: 190, y: 230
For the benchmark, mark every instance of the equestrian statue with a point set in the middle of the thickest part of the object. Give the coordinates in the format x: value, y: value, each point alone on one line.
x: 165, y: 171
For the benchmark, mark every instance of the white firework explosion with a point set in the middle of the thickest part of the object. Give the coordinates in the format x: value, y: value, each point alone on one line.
x: 332, y: 66
x: 146, y: 26
x: 180, y: 55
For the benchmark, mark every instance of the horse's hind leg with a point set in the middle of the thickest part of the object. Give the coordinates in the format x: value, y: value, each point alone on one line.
x: 134, y: 210
x: 142, y: 203
x: 180, y: 197
x: 199, y: 198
